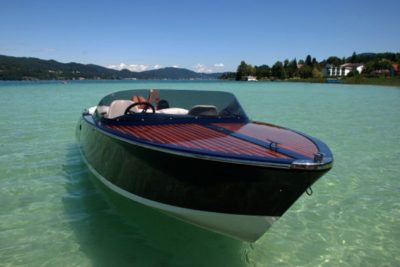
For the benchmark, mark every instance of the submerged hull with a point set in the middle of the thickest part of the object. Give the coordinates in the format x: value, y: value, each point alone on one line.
x: 238, y: 198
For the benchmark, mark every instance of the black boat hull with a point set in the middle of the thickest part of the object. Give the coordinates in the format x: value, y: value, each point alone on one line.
x: 190, y: 182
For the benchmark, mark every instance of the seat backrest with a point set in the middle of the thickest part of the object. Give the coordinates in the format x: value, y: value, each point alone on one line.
x: 173, y: 111
x: 117, y: 108
x: 203, y: 110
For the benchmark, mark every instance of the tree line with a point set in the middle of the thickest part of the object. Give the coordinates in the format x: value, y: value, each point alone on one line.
x: 311, y: 68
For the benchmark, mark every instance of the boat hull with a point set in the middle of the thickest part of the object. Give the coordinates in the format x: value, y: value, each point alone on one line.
x: 243, y: 227
x: 237, y: 199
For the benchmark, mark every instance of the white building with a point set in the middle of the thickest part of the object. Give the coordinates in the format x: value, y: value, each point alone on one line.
x: 342, y: 70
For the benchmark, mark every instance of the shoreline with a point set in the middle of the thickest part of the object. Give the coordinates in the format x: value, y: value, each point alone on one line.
x: 380, y: 81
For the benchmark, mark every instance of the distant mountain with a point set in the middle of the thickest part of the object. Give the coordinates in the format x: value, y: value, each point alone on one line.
x: 26, y: 68
x: 175, y: 73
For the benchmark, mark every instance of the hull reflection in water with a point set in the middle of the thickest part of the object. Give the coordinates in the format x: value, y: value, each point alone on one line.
x: 196, y: 156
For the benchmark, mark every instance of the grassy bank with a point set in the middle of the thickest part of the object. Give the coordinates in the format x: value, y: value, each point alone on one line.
x: 385, y: 81
x: 388, y: 81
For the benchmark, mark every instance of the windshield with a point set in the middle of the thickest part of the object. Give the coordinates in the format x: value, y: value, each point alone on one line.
x: 171, y: 102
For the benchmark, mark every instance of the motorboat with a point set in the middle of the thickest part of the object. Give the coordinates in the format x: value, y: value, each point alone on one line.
x: 196, y: 155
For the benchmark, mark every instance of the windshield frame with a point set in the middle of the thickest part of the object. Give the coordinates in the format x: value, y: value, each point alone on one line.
x: 226, y: 104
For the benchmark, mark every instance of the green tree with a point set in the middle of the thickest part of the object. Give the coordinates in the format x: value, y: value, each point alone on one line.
x: 305, y: 72
x: 353, y: 58
x: 285, y: 67
x: 263, y: 71
x: 353, y: 73
x: 244, y: 70
x: 286, y: 63
x: 278, y: 71
x: 334, y: 61
x: 308, y: 60
x: 316, y: 73
x: 314, y: 61
x: 292, y: 69
x: 369, y: 67
x: 228, y: 76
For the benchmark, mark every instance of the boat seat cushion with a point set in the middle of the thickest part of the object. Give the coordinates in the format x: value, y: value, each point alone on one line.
x: 117, y: 108
x: 203, y: 110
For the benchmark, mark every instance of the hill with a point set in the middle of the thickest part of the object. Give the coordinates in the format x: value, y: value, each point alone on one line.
x: 26, y: 68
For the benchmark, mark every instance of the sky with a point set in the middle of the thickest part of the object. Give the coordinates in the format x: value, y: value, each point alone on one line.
x: 201, y: 35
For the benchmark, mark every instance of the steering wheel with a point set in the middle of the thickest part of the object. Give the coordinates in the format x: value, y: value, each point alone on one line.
x: 146, y: 104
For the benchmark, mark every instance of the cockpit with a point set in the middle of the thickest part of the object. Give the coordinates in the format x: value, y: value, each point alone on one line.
x: 172, y: 103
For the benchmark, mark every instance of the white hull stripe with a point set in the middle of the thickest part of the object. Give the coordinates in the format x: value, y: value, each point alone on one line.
x: 243, y: 227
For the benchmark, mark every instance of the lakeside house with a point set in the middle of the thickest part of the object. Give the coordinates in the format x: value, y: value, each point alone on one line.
x: 393, y: 71
x: 343, y: 70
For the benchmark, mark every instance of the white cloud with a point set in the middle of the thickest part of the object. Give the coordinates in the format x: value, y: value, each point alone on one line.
x: 131, y: 67
x: 217, y: 67
x: 201, y: 68
x: 137, y: 67
x: 207, y: 69
x: 117, y: 67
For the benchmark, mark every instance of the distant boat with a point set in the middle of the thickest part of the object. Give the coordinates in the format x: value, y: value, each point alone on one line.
x: 249, y: 78
x: 196, y: 155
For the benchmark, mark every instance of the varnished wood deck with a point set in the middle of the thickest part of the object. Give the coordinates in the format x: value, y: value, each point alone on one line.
x: 195, y: 136
x: 285, y: 138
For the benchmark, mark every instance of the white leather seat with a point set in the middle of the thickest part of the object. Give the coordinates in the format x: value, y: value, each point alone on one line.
x: 102, y: 110
x: 117, y: 108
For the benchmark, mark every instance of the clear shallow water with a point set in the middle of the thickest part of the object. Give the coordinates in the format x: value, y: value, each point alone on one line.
x: 52, y: 214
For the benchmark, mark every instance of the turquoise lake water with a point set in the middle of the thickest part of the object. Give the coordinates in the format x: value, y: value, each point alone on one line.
x: 52, y: 214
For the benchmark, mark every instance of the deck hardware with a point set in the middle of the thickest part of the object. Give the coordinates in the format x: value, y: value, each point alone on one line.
x: 273, y: 146
x: 318, y: 157
x: 309, y: 191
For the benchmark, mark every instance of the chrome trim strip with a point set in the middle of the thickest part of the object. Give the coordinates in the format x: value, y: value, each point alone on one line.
x: 308, y: 164
x: 326, y: 163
